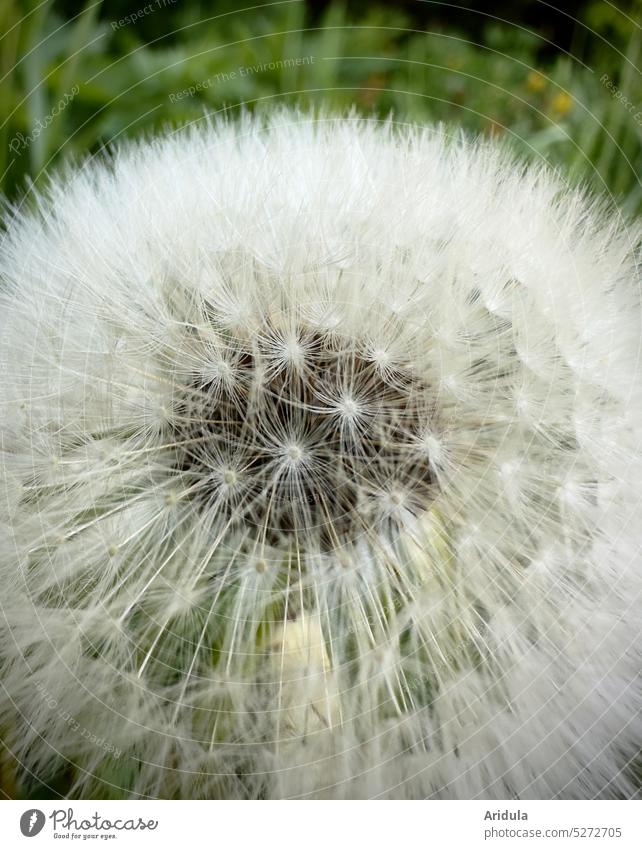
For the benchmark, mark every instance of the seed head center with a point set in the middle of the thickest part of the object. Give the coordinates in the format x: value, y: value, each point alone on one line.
x: 322, y: 448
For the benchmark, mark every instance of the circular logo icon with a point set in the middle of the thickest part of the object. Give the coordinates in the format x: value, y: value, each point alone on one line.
x: 32, y: 822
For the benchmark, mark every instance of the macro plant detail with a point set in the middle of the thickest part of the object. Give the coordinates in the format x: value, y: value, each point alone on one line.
x: 321, y: 471
x: 302, y: 433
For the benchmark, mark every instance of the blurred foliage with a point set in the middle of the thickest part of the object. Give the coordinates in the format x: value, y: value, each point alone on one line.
x: 108, y: 78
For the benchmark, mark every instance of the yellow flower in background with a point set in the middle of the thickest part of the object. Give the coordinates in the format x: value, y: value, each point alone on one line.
x: 562, y: 103
x: 455, y: 62
x: 535, y: 81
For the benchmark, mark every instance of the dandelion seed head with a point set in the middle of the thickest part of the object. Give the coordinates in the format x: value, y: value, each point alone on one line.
x: 321, y: 471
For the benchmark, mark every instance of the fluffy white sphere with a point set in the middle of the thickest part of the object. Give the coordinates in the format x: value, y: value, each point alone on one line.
x: 321, y: 463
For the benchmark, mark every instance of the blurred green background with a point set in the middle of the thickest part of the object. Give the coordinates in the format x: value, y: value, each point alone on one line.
x: 563, y: 85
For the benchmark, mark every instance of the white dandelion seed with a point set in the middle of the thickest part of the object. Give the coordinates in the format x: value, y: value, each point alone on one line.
x: 321, y: 472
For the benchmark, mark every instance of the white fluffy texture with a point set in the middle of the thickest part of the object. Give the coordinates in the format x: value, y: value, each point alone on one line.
x: 421, y: 578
